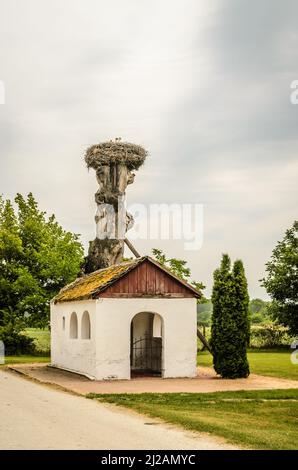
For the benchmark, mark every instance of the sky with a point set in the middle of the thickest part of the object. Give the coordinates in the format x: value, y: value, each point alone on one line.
x: 203, y: 86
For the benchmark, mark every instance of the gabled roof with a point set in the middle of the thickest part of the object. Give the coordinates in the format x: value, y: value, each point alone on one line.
x: 89, y: 286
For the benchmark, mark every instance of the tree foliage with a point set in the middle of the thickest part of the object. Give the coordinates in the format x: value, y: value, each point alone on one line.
x: 258, y: 311
x: 281, y: 282
x: 37, y: 258
x: 230, y: 320
x: 178, y: 267
x: 204, y: 312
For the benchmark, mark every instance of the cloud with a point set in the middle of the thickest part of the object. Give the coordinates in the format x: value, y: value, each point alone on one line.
x: 204, y: 86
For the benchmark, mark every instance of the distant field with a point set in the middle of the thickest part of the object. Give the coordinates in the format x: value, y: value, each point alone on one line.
x: 275, y: 363
x: 255, y: 419
x: 42, y: 338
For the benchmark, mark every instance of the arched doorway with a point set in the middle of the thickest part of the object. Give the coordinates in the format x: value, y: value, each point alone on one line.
x: 146, y: 336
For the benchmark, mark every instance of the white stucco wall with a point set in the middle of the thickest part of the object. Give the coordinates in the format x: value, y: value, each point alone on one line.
x: 107, y: 354
x: 78, y: 355
x: 113, y: 332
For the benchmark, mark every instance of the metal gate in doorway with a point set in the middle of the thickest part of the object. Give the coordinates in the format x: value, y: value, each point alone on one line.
x: 146, y: 354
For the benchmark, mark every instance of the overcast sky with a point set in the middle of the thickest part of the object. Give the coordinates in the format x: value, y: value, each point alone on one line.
x: 204, y: 86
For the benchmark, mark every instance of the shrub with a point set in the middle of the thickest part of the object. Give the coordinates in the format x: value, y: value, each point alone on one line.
x: 16, y: 343
x: 256, y: 318
x: 269, y: 336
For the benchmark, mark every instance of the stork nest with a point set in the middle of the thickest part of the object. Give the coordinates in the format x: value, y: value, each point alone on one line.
x: 106, y: 153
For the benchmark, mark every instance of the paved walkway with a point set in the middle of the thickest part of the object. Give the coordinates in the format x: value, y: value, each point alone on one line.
x: 37, y: 417
x: 206, y: 381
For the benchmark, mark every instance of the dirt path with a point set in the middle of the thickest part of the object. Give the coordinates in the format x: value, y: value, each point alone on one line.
x: 37, y: 417
x: 206, y: 381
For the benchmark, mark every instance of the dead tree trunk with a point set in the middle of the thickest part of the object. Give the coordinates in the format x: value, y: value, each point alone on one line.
x: 114, y: 163
x: 203, y: 339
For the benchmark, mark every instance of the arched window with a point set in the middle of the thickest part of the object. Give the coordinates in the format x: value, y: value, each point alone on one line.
x: 63, y: 323
x: 157, y: 326
x: 86, y: 326
x: 73, y: 328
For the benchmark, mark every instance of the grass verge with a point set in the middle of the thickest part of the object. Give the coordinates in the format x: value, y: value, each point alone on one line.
x: 274, y: 363
x: 265, y: 419
x: 25, y: 359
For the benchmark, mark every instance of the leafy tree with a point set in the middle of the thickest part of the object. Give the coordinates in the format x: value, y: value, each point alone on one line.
x: 204, y: 310
x: 10, y: 333
x: 258, y: 310
x: 281, y: 282
x: 257, y: 305
x: 257, y: 318
x: 176, y: 266
x: 230, y: 321
x: 37, y: 258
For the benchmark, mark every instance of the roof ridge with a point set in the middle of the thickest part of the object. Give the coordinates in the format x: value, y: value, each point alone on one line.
x: 91, y: 284
x: 117, y: 264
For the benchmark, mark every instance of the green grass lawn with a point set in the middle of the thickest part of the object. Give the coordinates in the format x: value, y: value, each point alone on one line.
x: 25, y: 359
x: 275, y: 363
x: 42, y: 338
x: 255, y: 419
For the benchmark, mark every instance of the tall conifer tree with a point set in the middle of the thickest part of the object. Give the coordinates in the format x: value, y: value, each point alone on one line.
x: 230, y: 321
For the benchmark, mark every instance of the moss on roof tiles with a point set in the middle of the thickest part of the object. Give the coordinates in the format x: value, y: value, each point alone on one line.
x: 85, y: 287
